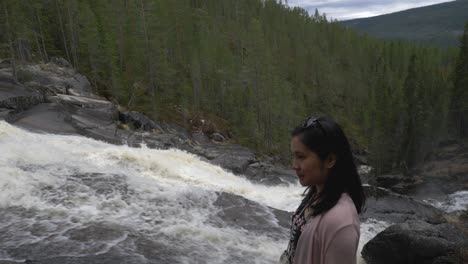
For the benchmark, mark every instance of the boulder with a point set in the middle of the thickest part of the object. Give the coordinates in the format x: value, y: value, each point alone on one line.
x: 138, y: 121
x: 218, y: 137
x: 61, y: 62
x: 5, y: 63
x: 15, y: 97
x: 418, y: 242
x: 397, y: 182
x: 238, y: 212
x: 360, y: 159
x: 232, y: 157
x: 65, y: 80
x: 383, y: 204
x: 200, y: 138
x: 444, y: 171
x: 269, y: 174
x: 47, y: 117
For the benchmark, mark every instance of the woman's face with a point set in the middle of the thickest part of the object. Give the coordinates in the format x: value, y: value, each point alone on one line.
x: 310, y: 169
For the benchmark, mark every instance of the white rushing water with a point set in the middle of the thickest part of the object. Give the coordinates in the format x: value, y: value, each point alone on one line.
x: 454, y: 202
x: 369, y: 229
x: 54, y: 184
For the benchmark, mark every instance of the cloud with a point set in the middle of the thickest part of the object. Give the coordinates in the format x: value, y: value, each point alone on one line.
x: 349, y: 9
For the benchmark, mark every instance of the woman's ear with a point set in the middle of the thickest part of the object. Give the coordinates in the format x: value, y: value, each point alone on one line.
x: 330, y: 161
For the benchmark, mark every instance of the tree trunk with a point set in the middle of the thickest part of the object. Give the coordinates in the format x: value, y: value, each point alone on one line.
x: 39, y: 49
x: 72, y: 36
x: 46, y: 57
x: 62, y: 31
x: 12, y: 50
x: 148, y: 53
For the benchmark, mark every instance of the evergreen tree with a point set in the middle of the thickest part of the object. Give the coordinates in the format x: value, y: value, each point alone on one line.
x: 257, y: 65
x: 459, y: 107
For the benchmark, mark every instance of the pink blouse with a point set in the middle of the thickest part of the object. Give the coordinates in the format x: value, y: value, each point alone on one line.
x: 332, y: 237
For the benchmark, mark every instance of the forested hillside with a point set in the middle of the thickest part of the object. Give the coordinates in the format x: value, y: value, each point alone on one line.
x: 437, y: 25
x: 256, y: 67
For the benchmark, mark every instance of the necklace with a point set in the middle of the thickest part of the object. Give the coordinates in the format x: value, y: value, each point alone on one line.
x: 303, y: 213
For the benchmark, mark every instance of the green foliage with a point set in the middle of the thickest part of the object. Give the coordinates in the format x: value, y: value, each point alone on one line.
x: 459, y: 107
x: 260, y: 65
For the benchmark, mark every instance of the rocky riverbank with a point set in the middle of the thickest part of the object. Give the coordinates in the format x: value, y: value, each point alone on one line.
x: 54, y: 98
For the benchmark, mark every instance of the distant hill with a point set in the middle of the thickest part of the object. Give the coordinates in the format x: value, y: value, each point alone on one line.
x: 439, y: 25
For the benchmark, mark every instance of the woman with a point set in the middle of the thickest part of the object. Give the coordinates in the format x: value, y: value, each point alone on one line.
x: 325, y: 226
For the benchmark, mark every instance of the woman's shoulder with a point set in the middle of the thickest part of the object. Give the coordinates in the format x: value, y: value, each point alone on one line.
x: 341, y: 215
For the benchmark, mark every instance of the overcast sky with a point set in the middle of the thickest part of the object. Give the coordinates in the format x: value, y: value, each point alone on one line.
x: 348, y: 9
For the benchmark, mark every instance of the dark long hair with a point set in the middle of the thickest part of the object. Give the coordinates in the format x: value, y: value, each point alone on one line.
x: 324, y: 136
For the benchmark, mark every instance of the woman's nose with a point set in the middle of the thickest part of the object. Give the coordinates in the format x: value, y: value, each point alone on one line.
x: 295, y: 165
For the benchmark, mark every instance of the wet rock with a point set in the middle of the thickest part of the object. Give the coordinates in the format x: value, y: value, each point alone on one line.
x: 21, y: 103
x: 444, y: 171
x: 236, y: 211
x: 417, y: 242
x: 5, y: 63
x: 382, y: 204
x: 66, y: 80
x: 218, y: 137
x: 67, y: 114
x: 48, y: 117
x: 200, y: 138
x: 396, y: 182
x: 269, y: 174
x: 360, y: 159
x: 15, y: 97
x: 61, y: 62
x: 138, y: 121
x: 232, y: 157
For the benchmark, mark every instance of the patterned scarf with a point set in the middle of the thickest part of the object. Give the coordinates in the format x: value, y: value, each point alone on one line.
x: 298, y: 222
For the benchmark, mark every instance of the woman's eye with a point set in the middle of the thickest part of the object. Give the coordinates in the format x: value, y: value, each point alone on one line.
x: 300, y: 157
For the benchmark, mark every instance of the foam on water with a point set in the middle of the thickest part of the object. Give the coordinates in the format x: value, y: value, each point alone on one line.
x: 56, y: 185
x: 454, y: 202
x: 50, y: 156
x: 60, y: 183
x: 369, y: 229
